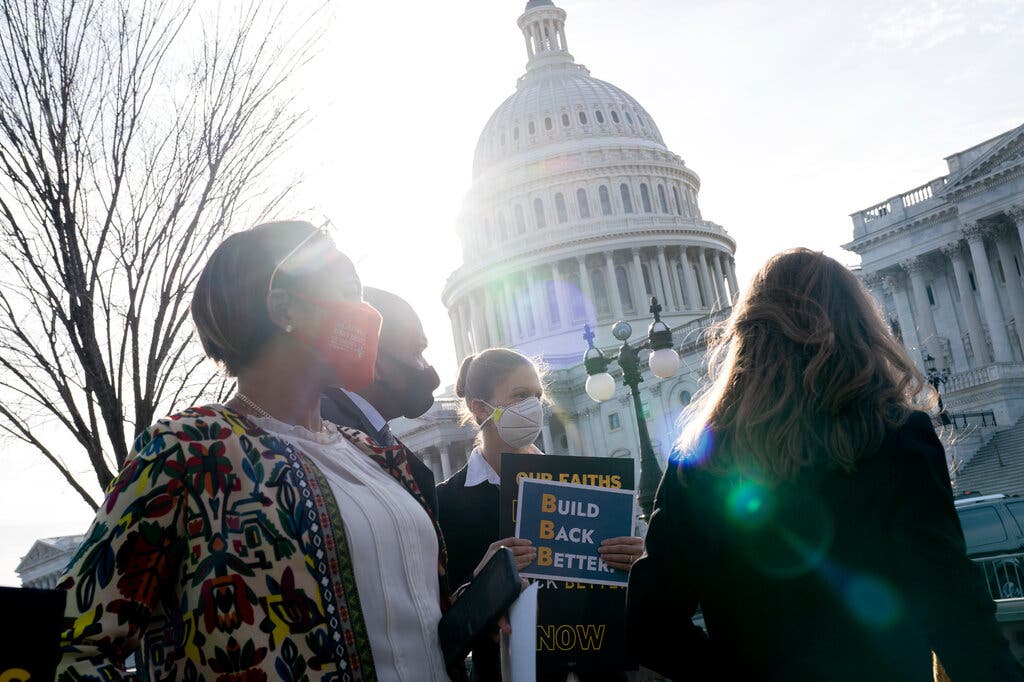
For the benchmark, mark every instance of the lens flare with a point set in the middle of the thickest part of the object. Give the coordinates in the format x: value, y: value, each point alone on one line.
x: 873, y: 602
x: 747, y: 504
x: 698, y: 450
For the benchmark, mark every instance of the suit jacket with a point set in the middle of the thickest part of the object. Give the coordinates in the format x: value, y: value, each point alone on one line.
x: 219, y: 553
x: 838, y: 576
x: 338, y: 408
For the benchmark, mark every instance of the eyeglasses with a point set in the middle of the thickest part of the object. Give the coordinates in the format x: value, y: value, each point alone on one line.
x: 320, y: 231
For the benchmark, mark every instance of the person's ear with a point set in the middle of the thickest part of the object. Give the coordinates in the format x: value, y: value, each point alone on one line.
x: 279, y: 310
x: 480, y: 410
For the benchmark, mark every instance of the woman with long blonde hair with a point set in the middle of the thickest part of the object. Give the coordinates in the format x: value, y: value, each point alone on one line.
x: 807, y: 508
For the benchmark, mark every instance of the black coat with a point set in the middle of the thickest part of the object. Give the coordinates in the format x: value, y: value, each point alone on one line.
x: 469, y: 522
x: 837, y: 576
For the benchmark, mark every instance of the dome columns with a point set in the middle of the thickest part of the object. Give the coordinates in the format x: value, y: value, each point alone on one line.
x: 540, y: 300
x: 543, y: 27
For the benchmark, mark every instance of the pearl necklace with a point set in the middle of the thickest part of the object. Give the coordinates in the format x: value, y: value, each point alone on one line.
x: 262, y: 411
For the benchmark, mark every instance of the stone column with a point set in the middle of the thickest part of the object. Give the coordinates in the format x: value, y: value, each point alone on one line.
x: 549, y: 443
x: 538, y: 302
x: 666, y: 281
x: 915, y: 268
x: 641, y: 300
x: 716, y: 267
x: 975, y: 331
x: 657, y: 287
x: 479, y: 341
x: 705, y: 278
x: 588, y: 291
x: 446, y: 461
x: 1013, y: 289
x: 730, y: 272
x: 692, y: 292
x: 1016, y: 214
x: 944, y: 297
x: 613, y: 286
x: 676, y: 284
x: 897, y: 286
x: 457, y: 332
x: 494, y: 338
x: 573, y: 438
x: 514, y: 328
x: 564, y: 313
x: 989, y: 299
x: 527, y: 316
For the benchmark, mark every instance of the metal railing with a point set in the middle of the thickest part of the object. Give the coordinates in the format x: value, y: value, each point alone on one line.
x: 1004, y: 575
x: 961, y: 420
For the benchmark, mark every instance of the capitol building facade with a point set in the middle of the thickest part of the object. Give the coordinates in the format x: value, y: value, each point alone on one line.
x: 946, y: 264
x: 578, y: 213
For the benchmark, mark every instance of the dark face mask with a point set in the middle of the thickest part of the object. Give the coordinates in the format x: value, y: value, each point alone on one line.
x: 416, y: 394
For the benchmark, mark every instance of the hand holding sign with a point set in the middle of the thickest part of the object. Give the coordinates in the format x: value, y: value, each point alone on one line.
x: 621, y: 552
x: 523, y: 552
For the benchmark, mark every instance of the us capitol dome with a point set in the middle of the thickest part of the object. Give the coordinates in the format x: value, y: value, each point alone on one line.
x: 578, y: 212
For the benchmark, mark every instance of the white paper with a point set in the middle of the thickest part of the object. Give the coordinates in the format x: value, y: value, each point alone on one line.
x: 519, y: 649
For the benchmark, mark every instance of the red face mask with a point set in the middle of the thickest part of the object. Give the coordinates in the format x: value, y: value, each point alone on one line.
x: 347, y: 339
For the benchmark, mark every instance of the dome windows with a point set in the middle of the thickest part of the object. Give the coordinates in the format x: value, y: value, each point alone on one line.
x: 615, y: 116
x: 582, y: 204
x: 515, y: 133
x: 679, y: 202
x: 547, y: 123
x: 645, y: 198
x: 661, y: 199
x: 532, y: 127
x: 606, y: 200
x: 629, y: 118
x: 599, y: 116
x: 627, y: 200
x: 560, y: 210
x: 565, y: 120
x: 583, y: 117
x: 538, y: 213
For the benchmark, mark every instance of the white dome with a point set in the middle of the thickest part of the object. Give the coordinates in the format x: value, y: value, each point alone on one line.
x: 578, y: 214
x: 560, y: 103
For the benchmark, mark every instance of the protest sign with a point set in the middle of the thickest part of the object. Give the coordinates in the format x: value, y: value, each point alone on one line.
x: 566, y: 523
x: 580, y: 626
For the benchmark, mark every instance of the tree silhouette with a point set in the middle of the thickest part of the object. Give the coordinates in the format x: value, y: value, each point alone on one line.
x: 133, y: 135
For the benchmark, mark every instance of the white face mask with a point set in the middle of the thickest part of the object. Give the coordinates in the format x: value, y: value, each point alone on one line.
x: 518, y: 424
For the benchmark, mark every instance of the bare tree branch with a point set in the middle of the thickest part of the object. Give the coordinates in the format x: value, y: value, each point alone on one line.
x: 128, y: 149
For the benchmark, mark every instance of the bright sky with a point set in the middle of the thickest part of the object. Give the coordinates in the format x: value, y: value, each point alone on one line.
x: 793, y: 115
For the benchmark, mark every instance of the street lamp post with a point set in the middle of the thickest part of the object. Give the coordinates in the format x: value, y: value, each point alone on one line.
x: 664, y: 361
x: 936, y: 378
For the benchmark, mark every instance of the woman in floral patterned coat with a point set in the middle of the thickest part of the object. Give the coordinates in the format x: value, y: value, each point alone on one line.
x: 251, y: 540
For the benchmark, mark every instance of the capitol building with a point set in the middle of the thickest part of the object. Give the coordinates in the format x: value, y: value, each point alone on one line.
x: 946, y: 264
x: 578, y: 213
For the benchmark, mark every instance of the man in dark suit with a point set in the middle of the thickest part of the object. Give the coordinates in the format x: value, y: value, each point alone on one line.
x: 403, y: 386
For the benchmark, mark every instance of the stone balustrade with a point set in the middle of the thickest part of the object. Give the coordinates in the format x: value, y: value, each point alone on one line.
x: 895, y: 208
x: 982, y: 375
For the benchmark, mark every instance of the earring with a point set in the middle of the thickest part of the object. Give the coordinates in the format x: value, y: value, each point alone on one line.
x: 288, y: 328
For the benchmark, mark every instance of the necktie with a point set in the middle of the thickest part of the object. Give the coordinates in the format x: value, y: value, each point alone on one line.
x: 385, y: 437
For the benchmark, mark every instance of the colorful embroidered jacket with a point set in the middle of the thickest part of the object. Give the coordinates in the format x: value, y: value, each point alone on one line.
x: 219, y: 555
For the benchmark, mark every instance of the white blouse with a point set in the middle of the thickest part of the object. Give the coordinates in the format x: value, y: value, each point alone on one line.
x: 393, y: 549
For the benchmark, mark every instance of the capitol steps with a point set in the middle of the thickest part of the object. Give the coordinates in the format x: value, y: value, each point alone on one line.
x: 998, y: 467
